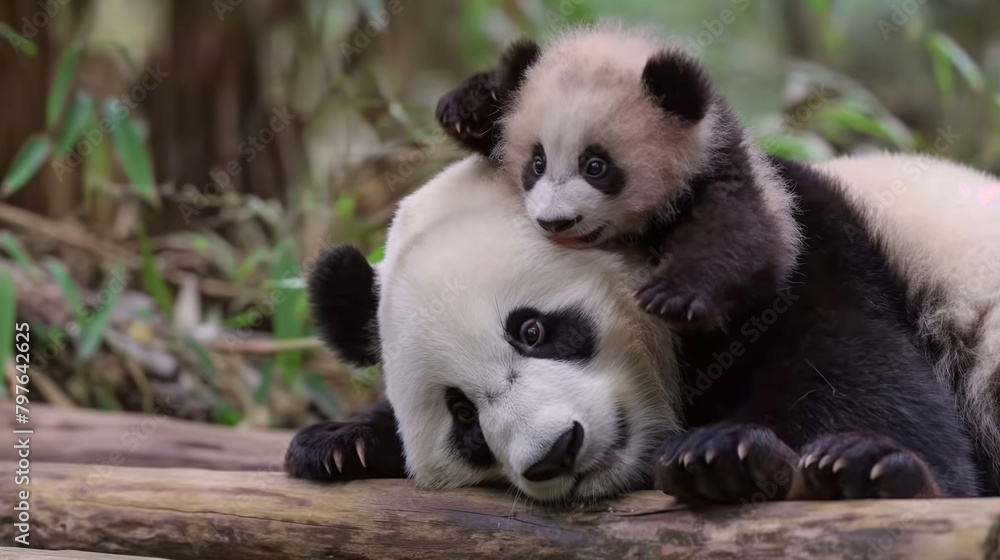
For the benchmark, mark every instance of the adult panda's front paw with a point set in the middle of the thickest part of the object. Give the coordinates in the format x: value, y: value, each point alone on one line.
x: 725, y: 464
x: 858, y: 465
x: 686, y: 303
x: 469, y: 113
x: 365, y: 448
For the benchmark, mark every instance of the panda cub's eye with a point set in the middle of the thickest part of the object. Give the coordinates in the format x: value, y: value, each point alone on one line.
x: 532, y: 333
x: 538, y: 164
x: 595, y: 168
x: 464, y: 412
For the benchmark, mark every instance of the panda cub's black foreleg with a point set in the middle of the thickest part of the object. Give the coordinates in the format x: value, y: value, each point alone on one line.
x: 363, y: 447
x: 472, y: 112
x: 721, y: 257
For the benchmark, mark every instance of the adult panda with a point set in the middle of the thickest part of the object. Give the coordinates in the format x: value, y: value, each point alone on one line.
x: 511, y: 359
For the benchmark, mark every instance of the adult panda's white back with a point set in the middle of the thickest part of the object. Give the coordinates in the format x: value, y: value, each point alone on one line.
x: 940, y: 233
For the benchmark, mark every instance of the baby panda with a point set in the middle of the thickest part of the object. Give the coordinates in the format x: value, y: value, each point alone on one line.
x: 618, y: 138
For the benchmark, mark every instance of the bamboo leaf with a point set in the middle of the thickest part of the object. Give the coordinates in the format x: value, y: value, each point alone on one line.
x: 27, y: 162
x: 64, y: 79
x: 207, y: 366
x: 266, y: 377
x: 325, y: 400
x: 68, y: 287
x: 13, y: 248
x: 18, y: 41
x: 288, y: 317
x: 8, y: 314
x: 152, y: 279
x: 134, y: 156
x: 377, y: 255
x: 80, y: 113
x: 94, y: 325
x: 947, y: 49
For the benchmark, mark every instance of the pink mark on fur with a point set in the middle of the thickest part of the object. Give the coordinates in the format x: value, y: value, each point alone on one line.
x: 987, y: 195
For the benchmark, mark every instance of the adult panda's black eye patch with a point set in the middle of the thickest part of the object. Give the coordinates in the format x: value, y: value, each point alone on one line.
x: 466, y: 433
x: 569, y: 334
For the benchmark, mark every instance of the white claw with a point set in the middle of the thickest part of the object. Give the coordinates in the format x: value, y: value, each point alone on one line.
x: 327, y: 465
x: 338, y: 458
x: 359, y: 446
x: 877, y: 471
x: 493, y: 95
x: 826, y: 460
x: 810, y: 459
x: 840, y: 464
x: 690, y: 314
x: 710, y: 456
x: 743, y: 450
x: 686, y: 460
x: 458, y: 128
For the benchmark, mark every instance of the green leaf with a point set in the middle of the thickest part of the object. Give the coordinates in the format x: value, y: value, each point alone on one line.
x: 944, y: 48
x: 152, y: 279
x: 325, y: 400
x: 13, y: 248
x: 80, y: 113
x: 225, y: 414
x: 820, y: 6
x: 8, y: 308
x: 207, y: 367
x: 27, y: 162
x: 18, y: 41
x: 377, y: 255
x: 64, y: 79
x: 94, y: 325
x: 68, y: 287
x: 266, y: 377
x: 288, y: 318
x: 135, y: 159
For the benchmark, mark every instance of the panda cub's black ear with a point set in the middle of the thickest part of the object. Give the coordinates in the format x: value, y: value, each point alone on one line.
x: 343, y: 298
x: 679, y: 84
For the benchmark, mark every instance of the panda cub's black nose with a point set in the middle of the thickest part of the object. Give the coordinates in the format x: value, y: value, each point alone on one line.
x: 556, y: 226
x: 559, y: 460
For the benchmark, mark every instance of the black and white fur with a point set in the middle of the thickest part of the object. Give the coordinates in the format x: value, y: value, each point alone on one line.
x: 615, y: 135
x: 852, y: 383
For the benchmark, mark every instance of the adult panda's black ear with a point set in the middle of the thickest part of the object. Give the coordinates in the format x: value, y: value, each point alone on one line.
x: 343, y: 297
x: 679, y: 85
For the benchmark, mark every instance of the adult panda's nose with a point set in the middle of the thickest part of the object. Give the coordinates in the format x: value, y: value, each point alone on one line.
x: 559, y: 460
x: 556, y: 226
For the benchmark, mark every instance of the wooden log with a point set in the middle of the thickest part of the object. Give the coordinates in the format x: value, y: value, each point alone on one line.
x: 187, y: 514
x: 30, y: 554
x: 64, y: 435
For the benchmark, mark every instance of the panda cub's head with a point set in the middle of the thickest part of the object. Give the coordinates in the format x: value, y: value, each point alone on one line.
x: 602, y: 129
x: 506, y: 358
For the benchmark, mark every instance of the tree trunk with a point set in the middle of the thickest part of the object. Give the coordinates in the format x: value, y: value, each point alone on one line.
x: 191, y: 514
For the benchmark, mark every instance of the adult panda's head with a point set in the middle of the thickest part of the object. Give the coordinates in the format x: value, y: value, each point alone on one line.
x: 506, y: 358
x: 603, y: 129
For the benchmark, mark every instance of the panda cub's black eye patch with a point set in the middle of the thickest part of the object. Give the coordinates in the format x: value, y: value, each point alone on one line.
x: 598, y: 168
x: 534, y: 168
x: 565, y: 334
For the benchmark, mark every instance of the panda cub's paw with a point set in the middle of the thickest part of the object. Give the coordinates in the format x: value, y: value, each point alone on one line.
x: 857, y: 465
x: 685, y: 301
x: 469, y: 113
x: 725, y: 464
x: 346, y: 450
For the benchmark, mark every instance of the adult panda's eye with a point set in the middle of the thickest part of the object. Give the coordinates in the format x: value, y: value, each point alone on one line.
x: 538, y: 165
x: 532, y: 333
x: 464, y: 412
x: 595, y: 168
